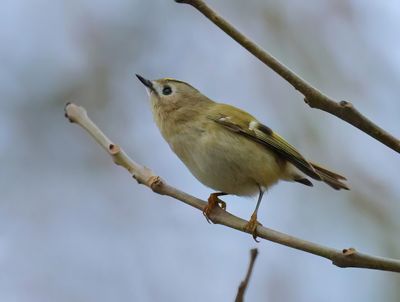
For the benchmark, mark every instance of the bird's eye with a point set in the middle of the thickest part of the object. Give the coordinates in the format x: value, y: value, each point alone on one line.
x: 167, y: 90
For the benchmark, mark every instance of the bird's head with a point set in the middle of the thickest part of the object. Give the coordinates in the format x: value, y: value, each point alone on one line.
x: 172, y: 93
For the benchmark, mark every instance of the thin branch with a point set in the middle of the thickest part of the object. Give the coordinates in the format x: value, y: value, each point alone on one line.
x: 243, y: 285
x: 313, y: 97
x: 345, y: 258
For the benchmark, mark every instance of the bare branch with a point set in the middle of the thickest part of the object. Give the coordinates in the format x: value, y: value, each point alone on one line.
x: 243, y: 285
x: 346, y: 258
x: 313, y: 97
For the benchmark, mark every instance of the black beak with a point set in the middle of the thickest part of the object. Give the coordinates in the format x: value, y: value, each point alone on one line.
x: 145, y: 82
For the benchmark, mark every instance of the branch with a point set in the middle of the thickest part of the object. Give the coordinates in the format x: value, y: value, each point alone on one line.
x: 243, y: 285
x: 345, y: 258
x: 313, y: 97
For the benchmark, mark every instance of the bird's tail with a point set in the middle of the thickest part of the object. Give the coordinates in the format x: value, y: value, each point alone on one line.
x: 333, y: 179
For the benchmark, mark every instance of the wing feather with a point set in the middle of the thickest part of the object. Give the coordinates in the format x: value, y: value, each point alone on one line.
x: 265, y: 136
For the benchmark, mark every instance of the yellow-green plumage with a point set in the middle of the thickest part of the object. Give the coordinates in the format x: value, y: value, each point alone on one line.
x: 226, y: 148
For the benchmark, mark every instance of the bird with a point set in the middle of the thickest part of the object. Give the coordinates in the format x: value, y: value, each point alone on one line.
x: 226, y: 148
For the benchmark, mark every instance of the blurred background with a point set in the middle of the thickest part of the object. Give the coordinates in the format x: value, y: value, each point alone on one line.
x: 74, y: 227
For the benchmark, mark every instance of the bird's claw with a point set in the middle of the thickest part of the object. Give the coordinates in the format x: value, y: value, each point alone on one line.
x: 213, y: 201
x: 251, y: 227
x: 206, y: 212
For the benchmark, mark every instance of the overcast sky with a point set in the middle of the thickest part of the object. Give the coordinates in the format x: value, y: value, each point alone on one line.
x: 74, y: 227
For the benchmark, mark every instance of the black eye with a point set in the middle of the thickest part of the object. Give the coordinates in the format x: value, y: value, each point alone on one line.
x: 167, y: 90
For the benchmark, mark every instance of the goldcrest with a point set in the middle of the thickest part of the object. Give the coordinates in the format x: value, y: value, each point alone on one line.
x: 226, y: 148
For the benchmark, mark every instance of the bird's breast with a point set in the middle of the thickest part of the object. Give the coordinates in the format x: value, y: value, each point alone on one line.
x: 225, y: 161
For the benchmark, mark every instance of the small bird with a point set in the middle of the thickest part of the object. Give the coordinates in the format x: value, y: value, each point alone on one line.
x: 226, y: 148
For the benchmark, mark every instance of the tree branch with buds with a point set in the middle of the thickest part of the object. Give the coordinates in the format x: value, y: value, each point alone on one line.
x: 312, y: 96
x: 341, y: 258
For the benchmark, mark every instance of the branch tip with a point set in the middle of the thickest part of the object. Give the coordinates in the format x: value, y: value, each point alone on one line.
x: 65, y: 108
x: 74, y: 112
x: 254, y: 252
x: 66, y: 111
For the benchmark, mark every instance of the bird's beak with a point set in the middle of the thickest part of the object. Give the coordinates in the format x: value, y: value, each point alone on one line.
x: 145, y: 82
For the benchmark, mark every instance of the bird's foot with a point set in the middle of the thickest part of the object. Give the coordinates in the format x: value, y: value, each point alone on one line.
x: 251, y: 226
x: 213, y: 201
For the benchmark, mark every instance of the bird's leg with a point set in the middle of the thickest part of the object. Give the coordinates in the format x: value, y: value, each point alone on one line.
x: 214, y: 201
x: 251, y: 226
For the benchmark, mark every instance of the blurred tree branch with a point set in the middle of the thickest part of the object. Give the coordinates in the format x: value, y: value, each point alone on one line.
x: 312, y: 96
x: 243, y: 285
x: 345, y: 258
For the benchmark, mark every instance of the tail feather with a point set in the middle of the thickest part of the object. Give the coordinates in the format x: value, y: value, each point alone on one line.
x: 331, y: 178
x: 304, y: 181
x: 328, y: 172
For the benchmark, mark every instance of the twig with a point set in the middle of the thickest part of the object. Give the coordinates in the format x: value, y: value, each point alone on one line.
x: 243, y: 285
x: 345, y: 258
x: 313, y: 97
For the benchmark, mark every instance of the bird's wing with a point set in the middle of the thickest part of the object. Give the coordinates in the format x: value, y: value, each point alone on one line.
x: 254, y: 130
